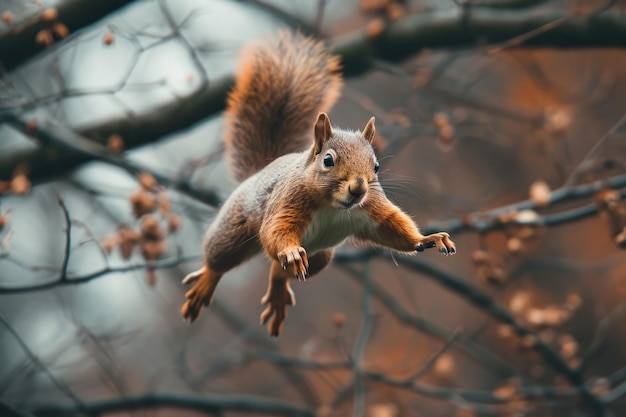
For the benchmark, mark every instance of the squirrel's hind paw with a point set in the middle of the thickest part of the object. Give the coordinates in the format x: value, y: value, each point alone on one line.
x: 193, y: 306
x: 277, y: 299
x: 200, y: 294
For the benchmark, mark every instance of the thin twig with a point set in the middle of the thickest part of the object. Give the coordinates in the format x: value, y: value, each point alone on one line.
x: 214, y: 405
x: 68, y: 238
x: 81, y: 279
x: 361, y: 342
x: 593, y: 153
x: 61, y: 386
x: 486, y: 303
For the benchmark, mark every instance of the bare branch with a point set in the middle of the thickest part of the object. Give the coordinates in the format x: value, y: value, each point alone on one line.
x: 61, y: 386
x: 486, y: 303
x: 68, y: 238
x: 466, y: 345
x: 214, y: 405
x: 361, y: 341
x: 70, y: 143
x: 17, y: 43
x: 489, y: 220
x: 402, y: 38
x: 57, y: 282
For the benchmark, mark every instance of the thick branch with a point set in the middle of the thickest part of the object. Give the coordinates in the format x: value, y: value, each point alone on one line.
x: 438, y: 29
x: 489, y: 220
x: 206, y: 403
x: 67, y: 142
x: 503, y: 4
x: 17, y: 44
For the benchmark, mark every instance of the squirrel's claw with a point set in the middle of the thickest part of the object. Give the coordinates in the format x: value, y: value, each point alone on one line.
x: 296, y: 258
x: 440, y: 240
x: 193, y: 276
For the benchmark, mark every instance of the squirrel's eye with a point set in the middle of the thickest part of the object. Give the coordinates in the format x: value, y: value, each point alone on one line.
x: 329, y: 161
x: 376, y: 166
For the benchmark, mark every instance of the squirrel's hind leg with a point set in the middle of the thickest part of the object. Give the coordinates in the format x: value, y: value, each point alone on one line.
x: 279, y: 294
x: 204, y: 282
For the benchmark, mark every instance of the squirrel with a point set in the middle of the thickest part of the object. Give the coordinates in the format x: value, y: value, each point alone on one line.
x: 299, y: 196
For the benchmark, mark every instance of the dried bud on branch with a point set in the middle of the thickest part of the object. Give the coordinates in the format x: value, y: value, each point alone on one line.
x: 4, y: 186
x: 109, y: 243
x: 127, y: 238
x: 173, y: 222
x: 601, y: 386
x: 44, y: 37
x: 395, y: 11
x: 147, y: 181
x: 609, y: 203
x: 488, y: 268
x: 150, y: 228
x: 540, y: 193
x: 108, y: 38
x: 49, y: 15
x: 375, y: 28
x: 7, y: 17
x: 164, y: 202
x: 60, y: 30
x: 115, y: 143
x: 519, y: 302
x: 339, y: 319
x: 444, y: 365
x: 373, y: 6
x: 509, y: 389
x: 142, y: 203
x: 20, y: 184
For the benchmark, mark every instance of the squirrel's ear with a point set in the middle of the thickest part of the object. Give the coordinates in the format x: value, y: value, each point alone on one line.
x: 369, y: 131
x: 323, y: 131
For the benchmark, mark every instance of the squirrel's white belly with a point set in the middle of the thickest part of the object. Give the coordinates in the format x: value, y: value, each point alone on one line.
x: 330, y: 226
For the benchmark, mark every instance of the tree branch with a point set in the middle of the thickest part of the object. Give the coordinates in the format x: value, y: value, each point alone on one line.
x: 68, y: 238
x: 490, y: 220
x: 486, y: 303
x: 465, y: 344
x: 60, y: 385
x: 59, y: 281
x: 435, y: 29
x: 206, y: 403
x: 17, y: 44
x: 66, y: 142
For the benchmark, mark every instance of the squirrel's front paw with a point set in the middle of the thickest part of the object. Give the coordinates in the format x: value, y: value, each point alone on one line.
x: 440, y: 240
x: 296, y: 259
x: 278, y: 297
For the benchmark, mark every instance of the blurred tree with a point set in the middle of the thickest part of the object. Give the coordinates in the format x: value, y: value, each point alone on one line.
x: 500, y: 121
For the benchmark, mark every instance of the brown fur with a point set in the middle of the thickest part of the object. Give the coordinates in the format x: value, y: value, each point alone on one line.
x: 303, y: 204
x: 280, y: 88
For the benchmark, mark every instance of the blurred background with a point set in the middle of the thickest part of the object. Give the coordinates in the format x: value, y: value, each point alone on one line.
x: 499, y: 121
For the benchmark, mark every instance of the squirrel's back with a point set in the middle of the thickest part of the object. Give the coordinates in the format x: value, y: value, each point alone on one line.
x: 281, y: 86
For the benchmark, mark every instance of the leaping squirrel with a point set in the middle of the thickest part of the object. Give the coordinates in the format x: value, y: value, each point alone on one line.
x: 297, y: 200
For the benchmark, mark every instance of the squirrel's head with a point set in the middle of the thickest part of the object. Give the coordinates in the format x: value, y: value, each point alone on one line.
x: 344, y: 161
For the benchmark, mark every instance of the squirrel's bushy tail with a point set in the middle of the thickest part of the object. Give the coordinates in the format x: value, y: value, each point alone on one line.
x: 281, y: 87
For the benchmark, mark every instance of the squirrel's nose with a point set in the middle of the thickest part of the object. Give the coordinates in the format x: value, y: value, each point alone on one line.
x: 358, y: 189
